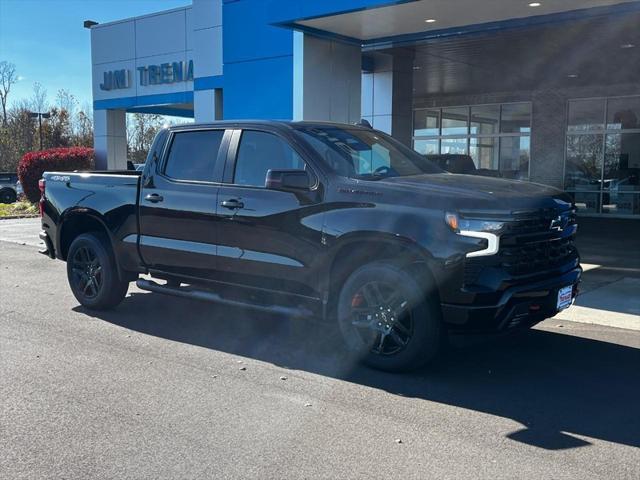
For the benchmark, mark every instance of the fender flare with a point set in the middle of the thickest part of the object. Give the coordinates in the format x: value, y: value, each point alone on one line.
x: 353, y: 238
x: 74, y: 212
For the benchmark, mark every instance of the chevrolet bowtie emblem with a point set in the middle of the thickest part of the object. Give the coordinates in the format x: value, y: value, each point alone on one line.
x: 557, y: 224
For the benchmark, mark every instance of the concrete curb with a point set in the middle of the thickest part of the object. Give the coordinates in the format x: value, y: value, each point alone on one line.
x: 14, y: 217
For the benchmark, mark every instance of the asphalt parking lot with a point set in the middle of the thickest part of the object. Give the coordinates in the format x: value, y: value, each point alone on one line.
x: 170, y: 388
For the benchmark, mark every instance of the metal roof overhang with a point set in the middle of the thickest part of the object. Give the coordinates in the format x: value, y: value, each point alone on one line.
x: 393, y: 22
x: 497, y: 45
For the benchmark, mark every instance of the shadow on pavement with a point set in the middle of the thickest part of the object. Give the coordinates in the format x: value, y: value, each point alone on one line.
x: 551, y: 383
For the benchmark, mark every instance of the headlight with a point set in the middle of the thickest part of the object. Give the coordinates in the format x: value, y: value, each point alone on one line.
x: 488, y: 230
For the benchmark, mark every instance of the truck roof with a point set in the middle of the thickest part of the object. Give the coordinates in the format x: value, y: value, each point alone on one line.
x: 271, y: 123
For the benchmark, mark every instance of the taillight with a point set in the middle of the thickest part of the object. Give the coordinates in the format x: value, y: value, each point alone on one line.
x: 42, y: 187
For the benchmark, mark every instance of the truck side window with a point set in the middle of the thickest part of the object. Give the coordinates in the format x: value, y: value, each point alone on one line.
x: 193, y: 155
x: 259, y: 152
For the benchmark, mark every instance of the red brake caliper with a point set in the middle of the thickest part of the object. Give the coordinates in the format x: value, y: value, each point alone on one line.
x: 357, y: 300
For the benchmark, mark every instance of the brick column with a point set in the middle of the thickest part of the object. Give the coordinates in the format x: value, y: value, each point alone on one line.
x: 548, y: 126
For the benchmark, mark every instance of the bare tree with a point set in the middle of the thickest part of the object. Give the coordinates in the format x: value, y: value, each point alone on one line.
x: 66, y: 101
x: 17, y: 137
x: 39, y: 98
x: 8, y: 77
x: 84, y: 129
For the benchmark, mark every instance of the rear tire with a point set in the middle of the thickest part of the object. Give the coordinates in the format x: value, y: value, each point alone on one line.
x: 389, y: 320
x: 8, y: 195
x: 92, y: 272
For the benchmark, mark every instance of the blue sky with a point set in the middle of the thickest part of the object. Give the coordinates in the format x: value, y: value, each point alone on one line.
x: 46, y: 41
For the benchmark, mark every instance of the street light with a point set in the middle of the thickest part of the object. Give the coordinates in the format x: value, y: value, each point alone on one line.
x: 40, y: 116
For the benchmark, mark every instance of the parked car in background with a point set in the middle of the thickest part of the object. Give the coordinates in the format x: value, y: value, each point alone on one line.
x: 325, y: 220
x: 8, y: 187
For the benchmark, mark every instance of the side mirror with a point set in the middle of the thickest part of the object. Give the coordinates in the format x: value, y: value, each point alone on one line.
x: 288, y: 180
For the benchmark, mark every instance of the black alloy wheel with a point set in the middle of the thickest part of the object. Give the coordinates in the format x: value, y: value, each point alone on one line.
x: 381, y: 315
x: 389, y: 319
x: 87, y: 272
x: 93, y: 274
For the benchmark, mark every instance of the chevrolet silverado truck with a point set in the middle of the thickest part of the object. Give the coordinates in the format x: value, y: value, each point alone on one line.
x: 318, y: 220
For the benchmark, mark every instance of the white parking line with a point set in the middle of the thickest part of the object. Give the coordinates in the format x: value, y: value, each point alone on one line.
x: 23, y: 231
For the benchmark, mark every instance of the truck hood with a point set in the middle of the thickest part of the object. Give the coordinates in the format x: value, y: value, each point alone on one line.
x: 473, y: 191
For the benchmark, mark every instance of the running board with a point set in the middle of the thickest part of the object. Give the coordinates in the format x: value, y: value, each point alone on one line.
x: 209, y: 296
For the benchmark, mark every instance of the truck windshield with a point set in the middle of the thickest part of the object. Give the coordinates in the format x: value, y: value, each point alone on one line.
x: 365, y: 154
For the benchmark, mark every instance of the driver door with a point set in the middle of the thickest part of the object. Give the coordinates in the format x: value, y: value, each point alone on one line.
x: 267, y: 238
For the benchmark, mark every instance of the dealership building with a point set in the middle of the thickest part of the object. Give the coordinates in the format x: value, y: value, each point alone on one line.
x: 543, y: 91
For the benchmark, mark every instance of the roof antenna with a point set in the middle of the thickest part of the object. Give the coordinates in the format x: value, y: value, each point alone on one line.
x: 364, y: 123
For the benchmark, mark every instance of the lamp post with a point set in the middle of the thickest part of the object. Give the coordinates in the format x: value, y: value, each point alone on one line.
x: 40, y: 116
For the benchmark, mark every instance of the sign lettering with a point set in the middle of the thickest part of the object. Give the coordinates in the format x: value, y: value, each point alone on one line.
x: 115, y: 79
x: 165, y: 73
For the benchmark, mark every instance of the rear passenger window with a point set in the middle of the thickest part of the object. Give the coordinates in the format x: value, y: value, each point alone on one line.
x: 193, y: 155
x: 259, y: 152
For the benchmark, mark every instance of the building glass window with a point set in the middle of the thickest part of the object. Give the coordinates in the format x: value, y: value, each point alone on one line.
x: 583, y: 165
x: 585, y: 115
x: 587, y: 202
x: 427, y: 147
x: 623, y: 113
x: 485, y: 119
x: 455, y: 146
x: 495, y: 136
x: 485, y: 153
x: 514, y: 157
x: 426, y: 122
x: 602, y: 165
x: 515, y: 118
x: 455, y: 121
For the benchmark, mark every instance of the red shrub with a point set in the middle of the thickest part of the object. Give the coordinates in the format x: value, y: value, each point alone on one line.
x: 34, y: 164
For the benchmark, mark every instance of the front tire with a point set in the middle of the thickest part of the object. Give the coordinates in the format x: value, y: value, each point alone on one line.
x: 387, y: 319
x: 92, y: 272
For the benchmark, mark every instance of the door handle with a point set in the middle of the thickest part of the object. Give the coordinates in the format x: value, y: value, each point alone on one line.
x: 232, y: 204
x: 154, y: 198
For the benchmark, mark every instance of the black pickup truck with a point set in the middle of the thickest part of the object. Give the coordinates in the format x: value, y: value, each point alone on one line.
x: 322, y: 220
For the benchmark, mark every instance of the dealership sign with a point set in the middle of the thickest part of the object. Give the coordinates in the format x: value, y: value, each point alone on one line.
x: 165, y: 73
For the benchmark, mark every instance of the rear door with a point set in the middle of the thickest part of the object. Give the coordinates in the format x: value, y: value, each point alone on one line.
x: 267, y: 238
x: 178, y: 203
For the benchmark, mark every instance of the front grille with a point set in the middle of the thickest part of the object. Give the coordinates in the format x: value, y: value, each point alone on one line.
x: 538, y: 222
x: 536, y: 256
x: 528, y: 246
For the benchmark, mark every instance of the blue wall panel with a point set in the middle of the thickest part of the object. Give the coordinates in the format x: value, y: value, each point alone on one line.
x: 258, y: 63
x: 258, y: 53
x: 261, y: 89
x: 248, y: 34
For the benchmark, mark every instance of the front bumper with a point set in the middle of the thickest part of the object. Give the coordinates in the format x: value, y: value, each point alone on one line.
x: 518, y: 306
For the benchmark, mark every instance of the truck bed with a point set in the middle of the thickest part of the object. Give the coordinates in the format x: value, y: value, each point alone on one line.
x: 109, y: 197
